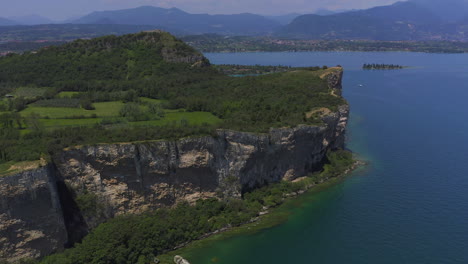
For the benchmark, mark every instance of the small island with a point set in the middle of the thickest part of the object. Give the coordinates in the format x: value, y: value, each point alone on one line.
x: 374, y: 66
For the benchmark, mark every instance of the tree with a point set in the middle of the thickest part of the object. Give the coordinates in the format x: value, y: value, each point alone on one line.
x: 87, y: 104
x: 132, y: 112
x: 33, y: 123
x: 156, y: 109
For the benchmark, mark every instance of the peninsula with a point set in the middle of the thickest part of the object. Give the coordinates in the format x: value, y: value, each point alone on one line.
x: 112, y: 142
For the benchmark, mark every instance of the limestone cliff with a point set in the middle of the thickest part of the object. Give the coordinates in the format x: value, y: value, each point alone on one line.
x: 31, y: 219
x: 134, y: 177
x: 45, y: 209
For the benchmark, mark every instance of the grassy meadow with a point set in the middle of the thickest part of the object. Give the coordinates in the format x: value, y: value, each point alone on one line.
x: 59, y: 117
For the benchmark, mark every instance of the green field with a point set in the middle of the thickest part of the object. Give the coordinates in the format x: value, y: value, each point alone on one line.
x: 193, y: 118
x: 29, y: 92
x: 59, y: 117
x: 105, y: 109
x: 66, y: 94
x: 56, y: 123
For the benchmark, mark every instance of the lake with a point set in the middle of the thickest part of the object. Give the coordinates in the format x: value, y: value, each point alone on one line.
x: 410, y: 205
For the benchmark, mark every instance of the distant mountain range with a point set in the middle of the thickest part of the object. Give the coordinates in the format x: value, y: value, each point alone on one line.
x: 178, y: 20
x: 409, y: 20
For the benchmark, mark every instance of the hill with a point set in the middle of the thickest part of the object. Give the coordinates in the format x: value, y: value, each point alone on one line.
x: 143, y: 86
x: 106, y: 58
x: 178, y: 20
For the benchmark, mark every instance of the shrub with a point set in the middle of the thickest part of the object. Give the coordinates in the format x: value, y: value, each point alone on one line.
x: 133, y: 112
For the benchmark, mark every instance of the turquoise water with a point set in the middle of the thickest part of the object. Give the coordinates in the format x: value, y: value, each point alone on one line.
x: 410, y: 205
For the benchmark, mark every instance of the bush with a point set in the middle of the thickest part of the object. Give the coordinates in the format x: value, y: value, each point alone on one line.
x: 156, y: 110
x: 87, y: 104
x: 133, y: 112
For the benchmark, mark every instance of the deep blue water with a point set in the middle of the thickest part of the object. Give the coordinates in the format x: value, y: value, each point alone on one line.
x: 410, y: 205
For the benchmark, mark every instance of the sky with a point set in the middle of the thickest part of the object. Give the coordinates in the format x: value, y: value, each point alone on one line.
x: 64, y: 9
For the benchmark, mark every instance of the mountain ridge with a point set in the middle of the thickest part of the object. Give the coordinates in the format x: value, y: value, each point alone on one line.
x: 399, y: 21
x: 177, y: 19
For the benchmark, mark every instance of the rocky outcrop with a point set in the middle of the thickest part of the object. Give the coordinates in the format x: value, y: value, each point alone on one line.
x: 180, y: 260
x: 176, y: 56
x: 334, y: 80
x: 31, y: 219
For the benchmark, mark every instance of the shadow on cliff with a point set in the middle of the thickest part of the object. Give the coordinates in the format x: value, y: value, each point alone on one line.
x: 75, y: 223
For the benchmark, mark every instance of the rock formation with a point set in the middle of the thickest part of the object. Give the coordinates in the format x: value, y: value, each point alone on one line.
x: 43, y: 210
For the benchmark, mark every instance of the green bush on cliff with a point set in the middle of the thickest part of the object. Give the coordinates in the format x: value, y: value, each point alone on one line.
x: 88, y: 203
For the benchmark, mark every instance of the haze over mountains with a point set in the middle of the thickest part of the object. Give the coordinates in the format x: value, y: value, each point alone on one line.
x: 409, y: 20
x: 176, y: 19
x: 31, y: 20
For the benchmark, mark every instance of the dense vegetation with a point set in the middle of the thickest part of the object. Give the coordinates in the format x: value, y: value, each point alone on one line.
x: 375, y: 66
x: 99, y: 90
x: 141, y: 238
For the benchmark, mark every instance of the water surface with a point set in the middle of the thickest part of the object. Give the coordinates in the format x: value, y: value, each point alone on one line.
x: 411, y: 204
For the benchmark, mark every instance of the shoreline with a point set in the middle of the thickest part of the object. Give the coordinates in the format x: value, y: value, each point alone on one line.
x: 268, y: 218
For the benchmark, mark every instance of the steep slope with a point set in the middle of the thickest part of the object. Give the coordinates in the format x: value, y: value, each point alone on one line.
x: 176, y: 19
x: 31, y: 218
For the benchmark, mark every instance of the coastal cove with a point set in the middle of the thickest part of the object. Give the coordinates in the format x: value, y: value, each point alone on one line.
x: 409, y: 205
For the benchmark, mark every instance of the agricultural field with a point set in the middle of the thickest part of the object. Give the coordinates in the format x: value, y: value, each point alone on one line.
x: 109, y: 113
x: 104, y: 109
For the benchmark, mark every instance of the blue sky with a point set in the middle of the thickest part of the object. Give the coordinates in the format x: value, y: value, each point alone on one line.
x: 62, y: 9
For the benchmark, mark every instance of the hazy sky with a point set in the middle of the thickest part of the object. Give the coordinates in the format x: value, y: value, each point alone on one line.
x: 62, y: 9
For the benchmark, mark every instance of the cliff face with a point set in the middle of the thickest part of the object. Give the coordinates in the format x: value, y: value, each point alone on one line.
x: 134, y: 177
x: 45, y: 209
x: 31, y: 219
